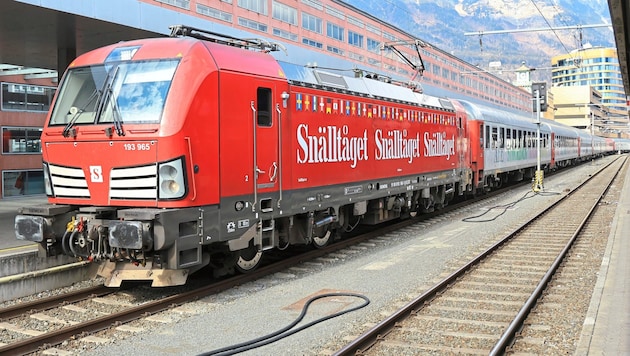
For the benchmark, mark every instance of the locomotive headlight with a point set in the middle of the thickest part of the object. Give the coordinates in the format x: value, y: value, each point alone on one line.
x: 171, y: 177
x: 47, y: 182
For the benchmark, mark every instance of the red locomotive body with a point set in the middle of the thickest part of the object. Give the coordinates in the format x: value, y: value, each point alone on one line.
x: 162, y: 156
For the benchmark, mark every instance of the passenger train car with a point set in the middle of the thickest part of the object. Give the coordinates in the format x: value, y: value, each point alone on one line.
x: 162, y: 156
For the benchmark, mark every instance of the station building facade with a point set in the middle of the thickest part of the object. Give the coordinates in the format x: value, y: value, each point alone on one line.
x: 339, y: 30
x: 24, y: 104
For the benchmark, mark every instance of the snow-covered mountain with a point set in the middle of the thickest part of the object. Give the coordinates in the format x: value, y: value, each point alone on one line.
x: 444, y: 23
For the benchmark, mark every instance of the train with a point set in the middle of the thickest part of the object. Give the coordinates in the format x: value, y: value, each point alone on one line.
x: 165, y: 156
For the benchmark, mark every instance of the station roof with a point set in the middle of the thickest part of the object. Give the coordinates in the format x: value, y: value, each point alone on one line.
x: 32, y: 37
x: 621, y: 27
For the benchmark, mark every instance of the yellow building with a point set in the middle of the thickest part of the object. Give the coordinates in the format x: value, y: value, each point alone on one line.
x: 597, y: 68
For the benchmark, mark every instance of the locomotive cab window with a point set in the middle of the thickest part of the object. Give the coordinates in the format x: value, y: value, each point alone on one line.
x: 264, y: 107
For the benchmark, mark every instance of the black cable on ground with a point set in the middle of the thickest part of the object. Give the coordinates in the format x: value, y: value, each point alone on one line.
x: 286, y: 331
x: 505, y: 207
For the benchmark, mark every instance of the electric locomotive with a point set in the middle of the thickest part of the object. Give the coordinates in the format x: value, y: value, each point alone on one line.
x: 165, y: 155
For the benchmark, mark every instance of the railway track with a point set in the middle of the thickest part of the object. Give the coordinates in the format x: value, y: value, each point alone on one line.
x: 124, y: 307
x: 18, y: 337
x: 479, y: 308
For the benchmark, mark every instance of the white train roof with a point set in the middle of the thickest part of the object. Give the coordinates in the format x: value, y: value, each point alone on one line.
x: 370, y: 85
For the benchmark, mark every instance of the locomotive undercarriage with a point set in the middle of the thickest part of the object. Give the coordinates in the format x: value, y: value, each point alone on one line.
x: 165, y: 245
x: 320, y: 227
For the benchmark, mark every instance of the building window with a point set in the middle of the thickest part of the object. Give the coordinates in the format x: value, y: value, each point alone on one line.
x: 184, y: 4
x: 314, y: 4
x: 373, y: 29
x: 16, y: 183
x: 285, y: 34
x: 355, y: 21
x: 312, y: 43
x: 355, y: 39
x: 334, y: 50
x: 311, y: 23
x: 284, y: 13
x: 259, y: 6
x: 373, y: 45
x: 214, y: 13
x: 334, y: 31
x: 252, y: 24
x: 17, y: 140
x: 334, y: 12
x: 25, y: 97
x: 355, y: 56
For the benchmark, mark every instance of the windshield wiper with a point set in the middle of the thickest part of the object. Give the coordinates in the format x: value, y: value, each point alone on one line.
x: 116, y: 115
x: 109, y: 98
x: 96, y: 94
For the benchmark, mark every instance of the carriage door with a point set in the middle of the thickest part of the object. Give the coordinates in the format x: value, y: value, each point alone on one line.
x: 266, y: 149
x: 552, y: 144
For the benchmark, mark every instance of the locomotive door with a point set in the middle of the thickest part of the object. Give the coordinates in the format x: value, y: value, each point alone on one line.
x: 266, y: 148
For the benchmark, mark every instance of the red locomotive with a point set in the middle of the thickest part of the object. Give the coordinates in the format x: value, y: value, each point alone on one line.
x: 162, y: 156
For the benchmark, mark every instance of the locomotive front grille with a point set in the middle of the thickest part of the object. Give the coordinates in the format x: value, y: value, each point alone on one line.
x: 68, y: 181
x: 134, y: 182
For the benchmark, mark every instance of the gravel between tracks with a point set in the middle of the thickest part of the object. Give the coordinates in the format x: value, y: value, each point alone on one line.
x: 390, y: 270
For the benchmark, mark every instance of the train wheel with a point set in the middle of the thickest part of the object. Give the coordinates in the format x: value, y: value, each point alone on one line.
x: 322, y: 241
x: 248, y: 259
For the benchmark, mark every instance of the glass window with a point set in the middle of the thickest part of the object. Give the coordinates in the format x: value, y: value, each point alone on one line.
x: 284, y: 34
x: 17, y: 140
x: 217, y: 14
x: 257, y: 26
x: 311, y: 23
x: 334, y: 50
x: 24, y: 97
x: 355, y: 39
x: 284, y: 13
x: 314, y: 4
x: 264, y: 109
x: 312, y: 43
x: 373, y: 45
x: 259, y: 6
x: 334, y: 31
x: 184, y: 4
x: 131, y: 91
x: 334, y: 12
x: 16, y: 183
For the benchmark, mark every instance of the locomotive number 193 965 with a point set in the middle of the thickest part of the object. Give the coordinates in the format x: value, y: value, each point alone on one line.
x: 137, y: 147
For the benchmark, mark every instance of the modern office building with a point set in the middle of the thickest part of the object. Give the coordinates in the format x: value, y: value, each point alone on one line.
x: 598, y: 68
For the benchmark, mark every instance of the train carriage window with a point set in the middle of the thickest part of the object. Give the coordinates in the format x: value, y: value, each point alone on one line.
x: 529, y: 139
x: 263, y: 108
x: 520, y: 139
x: 508, y: 139
x: 487, y: 137
x: 495, y: 137
x: 502, y: 138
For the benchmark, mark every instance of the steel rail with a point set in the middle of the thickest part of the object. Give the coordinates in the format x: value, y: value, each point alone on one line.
x: 370, y: 337
x: 54, y: 301
x: 34, y: 344
x: 516, y: 324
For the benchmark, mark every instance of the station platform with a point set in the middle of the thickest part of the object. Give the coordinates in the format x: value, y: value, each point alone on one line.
x: 8, y: 209
x: 606, y: 329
